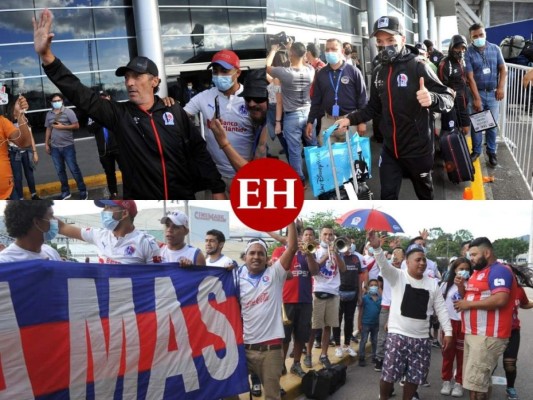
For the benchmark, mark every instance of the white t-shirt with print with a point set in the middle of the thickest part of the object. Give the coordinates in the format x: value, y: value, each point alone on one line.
x: 14, y: 253
x: 261, y: 299
x: 188, y: 252
x: 235, y: 120
x: 328, y: 279
x: 135, y: 248
x: 222, y: 262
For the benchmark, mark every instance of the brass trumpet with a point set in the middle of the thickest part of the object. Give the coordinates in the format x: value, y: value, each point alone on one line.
x: 342, y: 244
x: 308, y: 247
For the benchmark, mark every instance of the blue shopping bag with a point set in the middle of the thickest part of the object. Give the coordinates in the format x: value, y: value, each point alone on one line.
x: 318, y: 163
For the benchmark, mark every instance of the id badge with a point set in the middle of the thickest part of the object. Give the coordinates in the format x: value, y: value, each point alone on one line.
x: 335, y: 111
x: 486, y: 70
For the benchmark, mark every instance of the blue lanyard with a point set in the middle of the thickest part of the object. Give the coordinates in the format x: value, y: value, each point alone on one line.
x: 106, y: 135
x: 336, y: 87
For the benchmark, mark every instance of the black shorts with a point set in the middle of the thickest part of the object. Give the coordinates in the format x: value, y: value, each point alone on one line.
x: 300, y: 315
x: 514, y: 344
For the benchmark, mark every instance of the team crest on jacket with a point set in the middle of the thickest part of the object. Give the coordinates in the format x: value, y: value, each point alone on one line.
x: 168, y: 118
x: 402, y: 80
x: 243, y: 110
x: 129, y: 251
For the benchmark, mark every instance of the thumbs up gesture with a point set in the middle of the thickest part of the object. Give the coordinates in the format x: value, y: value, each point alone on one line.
x: 422, y: 95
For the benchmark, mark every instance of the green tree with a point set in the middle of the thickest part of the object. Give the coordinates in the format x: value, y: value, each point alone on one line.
x: 508, y: 249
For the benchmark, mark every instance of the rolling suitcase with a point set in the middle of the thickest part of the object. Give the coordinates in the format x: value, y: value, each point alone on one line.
x: 454, y: 152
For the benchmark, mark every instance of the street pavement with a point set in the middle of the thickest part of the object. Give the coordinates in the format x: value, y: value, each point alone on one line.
x: 508, y: 184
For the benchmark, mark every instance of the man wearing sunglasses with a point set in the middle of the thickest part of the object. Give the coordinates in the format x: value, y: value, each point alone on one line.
x: 256, y: 100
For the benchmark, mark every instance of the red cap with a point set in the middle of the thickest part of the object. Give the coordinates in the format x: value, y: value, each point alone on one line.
x: 227, y: 58
x: 126, y: 204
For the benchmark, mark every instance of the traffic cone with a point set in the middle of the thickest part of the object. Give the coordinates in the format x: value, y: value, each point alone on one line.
x: 467, y: 194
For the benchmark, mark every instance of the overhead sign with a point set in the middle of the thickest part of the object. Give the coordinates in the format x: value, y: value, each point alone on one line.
x: 86, y: 331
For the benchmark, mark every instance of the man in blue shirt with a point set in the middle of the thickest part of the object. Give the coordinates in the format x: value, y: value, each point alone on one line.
x: 486, y: 72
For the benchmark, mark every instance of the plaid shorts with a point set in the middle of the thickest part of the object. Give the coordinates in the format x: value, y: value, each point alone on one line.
x: 406, y: 356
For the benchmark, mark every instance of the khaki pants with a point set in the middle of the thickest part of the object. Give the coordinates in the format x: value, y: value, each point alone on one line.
x: 267, y: 365
x: 481, y: 355
x: 336, y: 137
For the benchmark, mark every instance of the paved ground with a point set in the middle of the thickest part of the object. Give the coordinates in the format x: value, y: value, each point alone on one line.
x: 508, y: 183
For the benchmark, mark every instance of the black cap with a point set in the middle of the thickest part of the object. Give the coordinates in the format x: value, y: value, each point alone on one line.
x: 457, y: 39
x: 255, y: 84
x: 388, y: 24
x: 141, y: 65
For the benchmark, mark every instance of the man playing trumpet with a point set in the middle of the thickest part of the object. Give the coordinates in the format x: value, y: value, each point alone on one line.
x: 297, y: 293
x: 326, y: 289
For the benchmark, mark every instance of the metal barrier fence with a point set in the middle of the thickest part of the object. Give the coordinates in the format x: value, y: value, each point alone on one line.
x: 516, y: 121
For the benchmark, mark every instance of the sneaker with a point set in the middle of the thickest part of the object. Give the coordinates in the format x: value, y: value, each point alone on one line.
x: 339, y: 353
x: 511, y: 394
x: 426, y: 384
x: 256, y: 390
x: 84, y: 195
x: 351, y: 352
x: 362, y: 362
x: 354, y: 339
x: 435, y: 343
x: 446, y: 388
x: 493, y: 160
x: 65, y: 196
x: 304, y: 350
x: 416, y: 396
x: 324, y: 360
x: 317, y: 344
x: 474, y: 156
x: 308, y: 361
x: 35, y: 196
x: 296, y: 369
x: 402, y: 381
x: 378, y: 366
x: 458, y: 390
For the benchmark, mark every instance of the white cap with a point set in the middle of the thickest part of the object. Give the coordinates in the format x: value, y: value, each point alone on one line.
x: 177, y: 217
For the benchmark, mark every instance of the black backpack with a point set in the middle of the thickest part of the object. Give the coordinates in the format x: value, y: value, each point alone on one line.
x: 527, y: 51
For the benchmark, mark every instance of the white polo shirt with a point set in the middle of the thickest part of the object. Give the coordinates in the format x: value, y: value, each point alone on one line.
x: 235, y: 120
x: 261, y: 299
x: 188, y: 252
x: 14, y: 252
x: 135, y: 248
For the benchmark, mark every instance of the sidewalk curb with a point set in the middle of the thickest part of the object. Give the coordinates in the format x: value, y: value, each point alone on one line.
x: 54, y: 188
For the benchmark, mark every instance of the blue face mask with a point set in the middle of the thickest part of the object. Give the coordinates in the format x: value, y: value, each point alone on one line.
x: 479, y: 42
x: 352, y: 248
x: 464, y: 274
x: 332, y: 57
x: 56, y: 105
x: 223, y: 82
x: 370, y: 251
x: 373, y: 289
x: 108, y: 222
x: 53, y: 231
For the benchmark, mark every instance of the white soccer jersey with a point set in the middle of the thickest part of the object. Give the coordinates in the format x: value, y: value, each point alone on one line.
x: 223, y: 262
x: 188, y: 252
x: 14, y: 252
x: 135, y: 248
x: 261, y: 299
x: 235, y: 120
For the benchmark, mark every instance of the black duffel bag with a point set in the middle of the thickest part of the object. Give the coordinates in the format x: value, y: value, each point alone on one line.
x: 320, y: 384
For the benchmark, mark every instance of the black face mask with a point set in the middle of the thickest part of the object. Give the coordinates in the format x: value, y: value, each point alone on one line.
x: 482, y: 263
x: 387, y: 54
x: 458, y: 55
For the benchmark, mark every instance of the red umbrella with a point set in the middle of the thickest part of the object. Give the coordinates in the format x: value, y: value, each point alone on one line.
x: 367, y: 219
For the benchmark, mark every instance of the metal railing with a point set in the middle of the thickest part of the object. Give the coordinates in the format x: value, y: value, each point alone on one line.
x: 516, y: 122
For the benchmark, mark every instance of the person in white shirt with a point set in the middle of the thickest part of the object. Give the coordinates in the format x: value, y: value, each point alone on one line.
x: 414, y: 298
x: 234, y: 115
x: 175, y: 248
x: 214, y: 243
x: 118, y: 242
x: 31, y: 223
x: 260, y: 289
